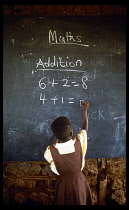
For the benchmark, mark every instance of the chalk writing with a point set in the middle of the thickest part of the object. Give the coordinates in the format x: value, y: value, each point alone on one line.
x: 97, y: 115
x: 68, y: 38
x: 57, y: 62
x: 42, y: 85
x: 66, y: 83
x: 62, y: 99
x: 44, y: 82
x: 54, y: 99
x: 84, y: 79
x: 43, y: 98
x: 53, y: 37
x: 65, y: 70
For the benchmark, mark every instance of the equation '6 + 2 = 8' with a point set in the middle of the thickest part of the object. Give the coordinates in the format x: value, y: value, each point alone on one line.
x: 44, y: 82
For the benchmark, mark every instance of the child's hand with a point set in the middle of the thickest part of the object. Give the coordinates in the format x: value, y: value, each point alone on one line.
x: 85, y: 105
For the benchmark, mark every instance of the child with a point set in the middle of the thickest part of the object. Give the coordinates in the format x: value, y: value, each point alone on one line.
x: 67, y: 159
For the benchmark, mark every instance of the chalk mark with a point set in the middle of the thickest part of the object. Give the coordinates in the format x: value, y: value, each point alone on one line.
x: 85, y: 45
x: 122, y: 117
x: 60, y: 70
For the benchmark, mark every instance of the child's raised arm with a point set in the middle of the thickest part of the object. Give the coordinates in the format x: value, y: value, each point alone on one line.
x: 85, y: 105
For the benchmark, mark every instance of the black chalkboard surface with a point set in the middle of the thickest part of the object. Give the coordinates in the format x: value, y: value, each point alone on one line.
x: 50, y: 65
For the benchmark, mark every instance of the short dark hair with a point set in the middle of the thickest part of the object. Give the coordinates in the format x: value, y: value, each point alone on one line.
x: 61, y: 128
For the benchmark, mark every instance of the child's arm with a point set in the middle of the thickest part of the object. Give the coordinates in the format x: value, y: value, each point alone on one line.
x: 85, y: 105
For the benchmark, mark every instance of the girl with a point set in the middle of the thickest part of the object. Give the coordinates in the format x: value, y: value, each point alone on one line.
x: 67, y: 159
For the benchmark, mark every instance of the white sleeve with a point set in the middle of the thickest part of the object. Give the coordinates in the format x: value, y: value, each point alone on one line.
x: 48, y: 157
x: 82, y: 136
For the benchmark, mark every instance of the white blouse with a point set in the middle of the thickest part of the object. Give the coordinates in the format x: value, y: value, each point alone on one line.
x: 66, y: 148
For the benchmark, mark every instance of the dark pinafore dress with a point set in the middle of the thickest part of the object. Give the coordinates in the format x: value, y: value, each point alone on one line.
x: 71, y: 187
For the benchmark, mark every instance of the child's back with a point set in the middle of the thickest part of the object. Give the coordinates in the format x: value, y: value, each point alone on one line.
x: 67, y: 161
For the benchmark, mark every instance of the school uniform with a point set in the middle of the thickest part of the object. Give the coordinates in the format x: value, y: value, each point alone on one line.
x: 67, y: 161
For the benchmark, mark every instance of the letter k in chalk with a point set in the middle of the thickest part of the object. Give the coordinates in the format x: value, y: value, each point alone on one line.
x: 100, y: 115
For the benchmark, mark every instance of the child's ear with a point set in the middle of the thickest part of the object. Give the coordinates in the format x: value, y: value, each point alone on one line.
x: 71, y: 133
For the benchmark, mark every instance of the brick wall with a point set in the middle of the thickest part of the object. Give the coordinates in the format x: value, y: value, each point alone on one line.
x: 32, y: 182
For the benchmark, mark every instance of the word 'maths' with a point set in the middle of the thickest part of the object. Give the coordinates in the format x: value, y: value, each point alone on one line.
x: 54, y: 38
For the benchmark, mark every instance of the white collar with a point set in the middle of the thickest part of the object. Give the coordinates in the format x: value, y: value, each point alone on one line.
x: 67, y: 143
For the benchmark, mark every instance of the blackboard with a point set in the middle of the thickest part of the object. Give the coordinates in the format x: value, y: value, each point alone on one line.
x: 50, y: 64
